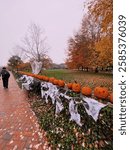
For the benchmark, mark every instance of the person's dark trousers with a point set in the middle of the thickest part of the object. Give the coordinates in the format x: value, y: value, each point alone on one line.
x: 5, y: 82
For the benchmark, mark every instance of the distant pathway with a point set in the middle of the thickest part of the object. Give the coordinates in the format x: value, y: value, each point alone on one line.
x: 19, y: 129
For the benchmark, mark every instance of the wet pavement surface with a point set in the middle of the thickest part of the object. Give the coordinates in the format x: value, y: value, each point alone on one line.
x: 19, y: 128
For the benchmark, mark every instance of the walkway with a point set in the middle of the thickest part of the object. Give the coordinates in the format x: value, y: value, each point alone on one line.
x: 19, y: 129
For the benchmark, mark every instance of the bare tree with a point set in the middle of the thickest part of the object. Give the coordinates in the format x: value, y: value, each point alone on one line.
x: 34, y: 47
x: 34, y: 44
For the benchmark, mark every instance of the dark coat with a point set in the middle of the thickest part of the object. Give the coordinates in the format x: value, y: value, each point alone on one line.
x: 5, y: 74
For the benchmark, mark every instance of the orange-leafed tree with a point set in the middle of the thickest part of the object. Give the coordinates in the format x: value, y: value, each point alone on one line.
x: 102, y: 11
x: 78, y: 52
x: 91, y: 46
x: 24, y: 66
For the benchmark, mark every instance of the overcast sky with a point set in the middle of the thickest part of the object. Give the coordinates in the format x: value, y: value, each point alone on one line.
x: 59, y: 19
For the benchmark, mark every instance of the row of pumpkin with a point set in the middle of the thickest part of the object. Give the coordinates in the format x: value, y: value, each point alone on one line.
x: 99, y: 92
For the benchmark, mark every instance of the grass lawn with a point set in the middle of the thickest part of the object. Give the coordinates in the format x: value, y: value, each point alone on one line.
x: 63, y: 133
x: 85, y: 78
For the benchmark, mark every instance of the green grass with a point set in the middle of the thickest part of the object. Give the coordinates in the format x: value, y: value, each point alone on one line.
x: 85, y: 78
x: 95, y: 135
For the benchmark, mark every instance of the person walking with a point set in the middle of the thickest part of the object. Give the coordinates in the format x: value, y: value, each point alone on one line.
x: 5, y: 77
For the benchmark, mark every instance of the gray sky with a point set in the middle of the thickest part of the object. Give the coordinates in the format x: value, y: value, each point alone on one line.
x: 59, y: 19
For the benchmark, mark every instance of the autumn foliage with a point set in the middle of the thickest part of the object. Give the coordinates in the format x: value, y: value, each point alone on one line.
x: 92, y: 46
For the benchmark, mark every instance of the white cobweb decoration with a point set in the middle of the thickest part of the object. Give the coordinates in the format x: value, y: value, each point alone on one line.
x: 36, y: 66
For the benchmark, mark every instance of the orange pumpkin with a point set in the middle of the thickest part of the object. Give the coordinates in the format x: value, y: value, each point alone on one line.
x: 46, y: 78
x: 55, y: 81
x: 87, y: 91
x: 61, y: 83
x: 76, y: 87
x: 69, y: 85
x: 32, y: 75
x: 51, y: 79
x: 25, y: 73
x: 101, y: 92
x: 40, y: 77
x: 36, y: 76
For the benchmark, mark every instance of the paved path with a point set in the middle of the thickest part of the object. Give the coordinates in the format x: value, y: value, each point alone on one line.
x: 19, y: 129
